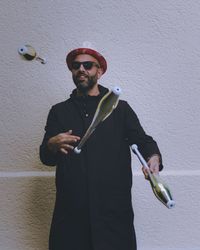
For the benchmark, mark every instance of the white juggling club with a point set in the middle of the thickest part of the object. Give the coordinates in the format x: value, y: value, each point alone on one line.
x: 105, y: 107
x: 160, y: 189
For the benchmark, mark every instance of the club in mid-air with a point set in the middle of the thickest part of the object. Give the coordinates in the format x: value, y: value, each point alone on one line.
x: 105, y: 107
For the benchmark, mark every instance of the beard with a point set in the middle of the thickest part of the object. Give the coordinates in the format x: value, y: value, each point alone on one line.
x: 85, y: 85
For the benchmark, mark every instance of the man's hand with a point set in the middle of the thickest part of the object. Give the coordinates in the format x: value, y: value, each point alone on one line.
x: 153, y: 163
x: 62, y: 142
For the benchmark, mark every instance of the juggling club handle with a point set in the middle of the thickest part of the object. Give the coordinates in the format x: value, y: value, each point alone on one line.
x: 134, y: 147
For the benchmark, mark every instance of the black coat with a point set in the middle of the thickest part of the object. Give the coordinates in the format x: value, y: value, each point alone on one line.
x: 93, y: 200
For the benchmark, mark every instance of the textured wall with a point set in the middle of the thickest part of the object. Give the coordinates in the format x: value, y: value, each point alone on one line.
x: 153, y: 53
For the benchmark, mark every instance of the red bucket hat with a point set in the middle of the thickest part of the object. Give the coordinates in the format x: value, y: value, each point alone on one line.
x: 72, y: 54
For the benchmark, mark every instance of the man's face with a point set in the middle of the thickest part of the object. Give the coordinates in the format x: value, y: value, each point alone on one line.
x: 85, y: 75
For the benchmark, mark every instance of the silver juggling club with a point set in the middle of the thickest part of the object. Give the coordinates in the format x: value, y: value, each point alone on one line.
x: 160, y: 189
x: 105, y: 107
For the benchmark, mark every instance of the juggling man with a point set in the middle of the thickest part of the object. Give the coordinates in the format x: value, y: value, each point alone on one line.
x: 93, y: 208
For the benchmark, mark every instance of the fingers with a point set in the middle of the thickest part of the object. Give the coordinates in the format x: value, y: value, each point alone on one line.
x: 67, y: 140
x: 69, y: 137
x: 145, y: 172
x: 69, y: 132
x: 154, y: 167
x: 66, y: 148
x: 63, y: 142
x: 154, y: 163
x: 64, y: 151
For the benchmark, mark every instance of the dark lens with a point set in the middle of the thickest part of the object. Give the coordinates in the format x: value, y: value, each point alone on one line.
x: 87, y: 65
x: 76, y: 65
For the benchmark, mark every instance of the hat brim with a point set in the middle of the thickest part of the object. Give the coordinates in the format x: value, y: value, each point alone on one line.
x: 72, y: 54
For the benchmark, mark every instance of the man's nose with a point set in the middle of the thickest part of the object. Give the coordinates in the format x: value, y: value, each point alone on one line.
x: 82, y: 68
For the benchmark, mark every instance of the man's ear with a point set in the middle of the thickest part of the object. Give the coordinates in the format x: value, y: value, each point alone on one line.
x: 99, y: 73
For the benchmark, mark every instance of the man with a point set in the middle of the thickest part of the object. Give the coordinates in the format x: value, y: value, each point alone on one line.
x: 93, y: 209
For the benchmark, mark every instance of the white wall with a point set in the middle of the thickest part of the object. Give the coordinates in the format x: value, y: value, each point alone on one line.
x: 153, y: 53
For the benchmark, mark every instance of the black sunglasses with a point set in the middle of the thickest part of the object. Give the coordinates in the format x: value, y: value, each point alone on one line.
x: 87, y: 65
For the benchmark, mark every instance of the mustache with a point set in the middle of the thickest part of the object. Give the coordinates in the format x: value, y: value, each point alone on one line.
x: 81, y: 74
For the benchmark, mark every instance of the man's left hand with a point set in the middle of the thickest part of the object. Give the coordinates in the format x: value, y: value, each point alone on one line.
x: 153, y: 163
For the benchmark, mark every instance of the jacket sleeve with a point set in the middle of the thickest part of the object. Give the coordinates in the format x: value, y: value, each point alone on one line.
x: 52, y: 128
x: 136, y: 135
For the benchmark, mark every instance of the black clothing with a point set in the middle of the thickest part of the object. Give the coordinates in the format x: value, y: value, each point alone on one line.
x: 93, y: 200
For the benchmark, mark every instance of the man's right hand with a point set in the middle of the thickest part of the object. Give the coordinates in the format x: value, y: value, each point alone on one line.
x: 62, y: 142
